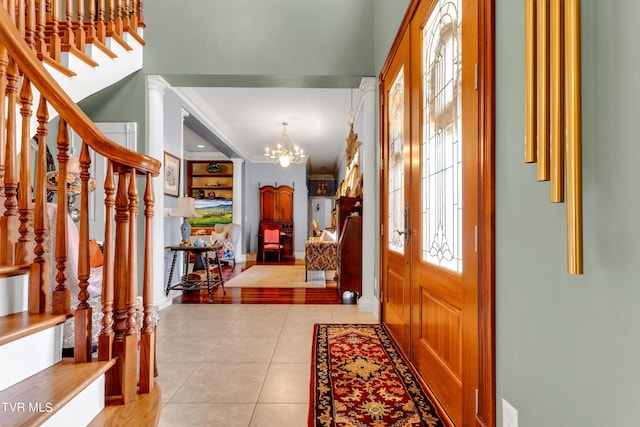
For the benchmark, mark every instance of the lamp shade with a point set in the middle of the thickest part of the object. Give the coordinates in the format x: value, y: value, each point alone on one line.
x: 186, y: 208
x: 73, y: 165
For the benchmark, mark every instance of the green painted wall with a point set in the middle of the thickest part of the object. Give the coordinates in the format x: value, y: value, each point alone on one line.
x: 124, y: 101
x: 568, y: 346
x: 251, y: 37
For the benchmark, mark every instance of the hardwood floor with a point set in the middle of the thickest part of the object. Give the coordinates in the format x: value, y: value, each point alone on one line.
x: 328, y: 295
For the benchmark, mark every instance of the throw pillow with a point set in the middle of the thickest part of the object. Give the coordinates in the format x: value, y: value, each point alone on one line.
x: 227, y: 251
x: 327, y: 236
x: 217, y: 237
x: 95, y: 254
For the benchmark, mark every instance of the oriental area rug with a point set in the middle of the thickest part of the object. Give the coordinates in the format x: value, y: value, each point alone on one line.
x: 276, y: 276
x: 359, y: 378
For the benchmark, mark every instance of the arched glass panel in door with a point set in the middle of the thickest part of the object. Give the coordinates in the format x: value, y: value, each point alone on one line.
x: 396, y: 144
x: 442, y: 138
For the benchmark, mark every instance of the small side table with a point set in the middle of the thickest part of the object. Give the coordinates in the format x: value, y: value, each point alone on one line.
x: 186, y: 284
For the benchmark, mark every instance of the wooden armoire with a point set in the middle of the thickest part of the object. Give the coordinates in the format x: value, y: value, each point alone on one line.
x: 276, y: 210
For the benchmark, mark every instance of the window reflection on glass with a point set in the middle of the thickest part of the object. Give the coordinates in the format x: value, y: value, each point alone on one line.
x: 396, y: 164
x: 442, y: 138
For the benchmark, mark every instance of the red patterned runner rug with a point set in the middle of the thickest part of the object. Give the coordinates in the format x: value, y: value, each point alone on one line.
x: 359, y: 378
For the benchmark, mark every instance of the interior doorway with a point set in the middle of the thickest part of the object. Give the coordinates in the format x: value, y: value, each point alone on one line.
x: 320, y: 211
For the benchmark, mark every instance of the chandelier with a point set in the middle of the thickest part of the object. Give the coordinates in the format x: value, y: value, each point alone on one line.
x: 284, y: 155
x: 74, y: 185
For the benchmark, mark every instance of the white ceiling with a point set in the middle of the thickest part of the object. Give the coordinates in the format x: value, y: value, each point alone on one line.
x: 247, y: 120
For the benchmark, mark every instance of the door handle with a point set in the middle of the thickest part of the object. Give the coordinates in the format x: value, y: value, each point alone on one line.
x: 406, y: 232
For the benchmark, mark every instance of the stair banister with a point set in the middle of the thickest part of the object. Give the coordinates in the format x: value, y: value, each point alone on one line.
x: 25, y: 42
x: 58, y: 98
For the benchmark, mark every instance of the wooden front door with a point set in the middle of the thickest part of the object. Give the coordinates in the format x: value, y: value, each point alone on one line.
x: 395, y: 249
x: 430, y: 201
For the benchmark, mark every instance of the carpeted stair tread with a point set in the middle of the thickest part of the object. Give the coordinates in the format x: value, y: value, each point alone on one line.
x: 48, y: 391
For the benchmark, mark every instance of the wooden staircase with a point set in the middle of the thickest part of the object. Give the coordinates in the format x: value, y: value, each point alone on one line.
x: 114, y: 385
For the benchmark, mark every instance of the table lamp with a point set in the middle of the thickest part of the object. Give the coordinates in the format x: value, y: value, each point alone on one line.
x: 186, y: 209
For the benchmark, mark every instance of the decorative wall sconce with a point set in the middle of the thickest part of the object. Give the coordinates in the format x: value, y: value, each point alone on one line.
x: 553, y: 114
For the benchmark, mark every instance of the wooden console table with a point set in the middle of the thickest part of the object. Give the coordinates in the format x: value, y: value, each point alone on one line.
x: 195, y: 284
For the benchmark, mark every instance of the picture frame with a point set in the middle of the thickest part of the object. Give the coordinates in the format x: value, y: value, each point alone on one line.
x: 212, y: 212
x: 171, y: 174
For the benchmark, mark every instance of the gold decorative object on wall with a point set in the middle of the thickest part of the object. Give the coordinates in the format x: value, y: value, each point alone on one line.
x: 553, y: 114
x: 350, y: 185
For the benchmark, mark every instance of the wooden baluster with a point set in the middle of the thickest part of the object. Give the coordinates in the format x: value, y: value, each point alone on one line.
x: 118, y: 18
x: 91, y: 28
x: 41, y: 41
x: 111, y: 24
x: 4, y: 62
x: 147, y: 336
x: 140, y: 16
x: 68, y: 37
x: 81, y: 36
x: 83, y: 314
x: 55, y: 43
x: 101, y: 25
x: 9, y: 220
x: 61, y: 294
x: 129, y: 372
x: 126, y: 20
x: 132, y: 291
x: 114, y: 382
x: 40, y: 273
x: 133, y: 16
x: 20, y: 17
x: 30, y: 29
x: 105, y: 341
x: 24, y: 197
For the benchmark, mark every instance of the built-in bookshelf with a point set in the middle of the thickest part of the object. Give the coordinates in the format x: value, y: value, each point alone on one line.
x: 210, y: 179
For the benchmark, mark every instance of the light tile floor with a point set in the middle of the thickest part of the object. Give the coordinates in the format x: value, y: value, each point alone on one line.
x: 240, y: 365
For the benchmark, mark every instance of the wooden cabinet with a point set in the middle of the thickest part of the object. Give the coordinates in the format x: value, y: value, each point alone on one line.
x: 345, y: 206
x: 209, y: 179
x: 349, y: 271
x: 276, y: 204
x: 276, y: 208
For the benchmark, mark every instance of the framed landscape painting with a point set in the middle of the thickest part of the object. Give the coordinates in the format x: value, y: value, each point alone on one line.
x: 213, y: 212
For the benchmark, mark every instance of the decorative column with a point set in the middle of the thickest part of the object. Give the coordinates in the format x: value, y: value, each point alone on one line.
x: 156, y: 86
x: 369, y: 300
x: 238, y: 210
x: 183, y: 172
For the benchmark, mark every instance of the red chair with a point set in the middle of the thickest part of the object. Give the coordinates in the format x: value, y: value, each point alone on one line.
x: 271, y: 242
